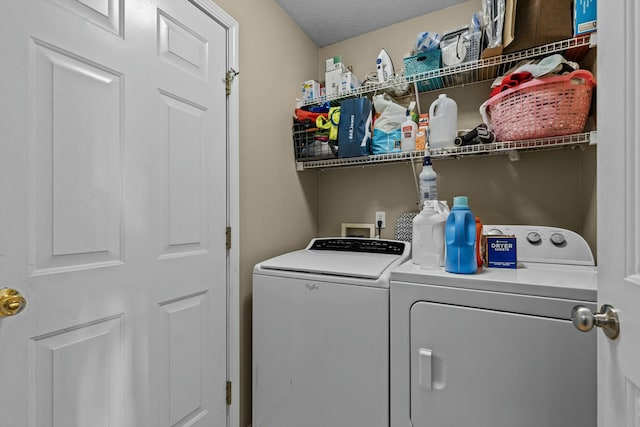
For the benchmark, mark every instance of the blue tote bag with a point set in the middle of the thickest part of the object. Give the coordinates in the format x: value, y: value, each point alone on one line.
x: 354, y: 129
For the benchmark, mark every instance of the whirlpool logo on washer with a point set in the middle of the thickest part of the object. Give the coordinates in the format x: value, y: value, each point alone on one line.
x: 312, y: 286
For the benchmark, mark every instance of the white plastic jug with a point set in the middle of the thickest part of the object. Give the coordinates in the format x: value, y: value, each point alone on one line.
x: 443, y: 122
x: 427, y: 247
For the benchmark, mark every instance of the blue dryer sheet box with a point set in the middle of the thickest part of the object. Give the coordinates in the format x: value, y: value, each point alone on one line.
x: 500, y: 252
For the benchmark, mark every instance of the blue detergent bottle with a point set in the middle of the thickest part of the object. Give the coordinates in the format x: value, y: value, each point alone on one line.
x: 460, y: 238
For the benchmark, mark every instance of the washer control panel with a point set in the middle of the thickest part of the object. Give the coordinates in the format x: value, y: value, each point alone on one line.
x: 375, y: 246
x: 545, y: 244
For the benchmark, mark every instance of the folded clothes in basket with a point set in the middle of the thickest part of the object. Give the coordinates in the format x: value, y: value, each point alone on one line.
x: 512, y: 80
x: 554, y: 64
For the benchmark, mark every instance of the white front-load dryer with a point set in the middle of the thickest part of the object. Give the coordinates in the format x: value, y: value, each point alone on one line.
x: 496, y: 348
x: 321, y: 334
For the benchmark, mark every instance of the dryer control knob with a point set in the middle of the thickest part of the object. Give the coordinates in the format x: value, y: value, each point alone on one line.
x: 558, y: 239
x: 534, y: 238
x: 495, y: 232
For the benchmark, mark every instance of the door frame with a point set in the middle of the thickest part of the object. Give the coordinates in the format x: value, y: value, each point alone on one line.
x: 233, y: 206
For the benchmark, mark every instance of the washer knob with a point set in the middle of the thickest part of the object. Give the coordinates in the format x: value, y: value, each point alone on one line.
x: 534, y: 238
x: 558, y: 239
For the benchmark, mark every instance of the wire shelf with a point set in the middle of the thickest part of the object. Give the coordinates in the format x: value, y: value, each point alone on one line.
x: 470, y: 72
x: 501, y: 147
x: 373, y: 159
x: 490, y: 68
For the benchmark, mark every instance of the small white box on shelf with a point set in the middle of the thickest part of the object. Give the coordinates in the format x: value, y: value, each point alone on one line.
x: 310, y: 90
x: 332, y: 80
x: 333, y: 63
x: 348, y: 81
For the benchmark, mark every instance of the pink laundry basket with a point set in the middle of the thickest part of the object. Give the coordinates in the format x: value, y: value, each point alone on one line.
x: 541, y: 108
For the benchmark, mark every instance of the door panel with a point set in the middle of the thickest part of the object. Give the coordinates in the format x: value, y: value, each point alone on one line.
x: 106, y: 14
x: 184, y: 322
x: 86, y: 394
x: 77, y: 171
x: 113, y: 187
x: 182, y: 147
x: 181, y: 47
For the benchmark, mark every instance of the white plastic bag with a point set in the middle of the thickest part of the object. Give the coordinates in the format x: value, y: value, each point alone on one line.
x: 386, y: 129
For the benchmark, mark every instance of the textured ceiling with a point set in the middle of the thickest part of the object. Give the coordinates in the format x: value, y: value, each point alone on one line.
x: 332, y: 21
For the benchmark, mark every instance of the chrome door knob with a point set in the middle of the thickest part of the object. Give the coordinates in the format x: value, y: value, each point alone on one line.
x: 606, y: 318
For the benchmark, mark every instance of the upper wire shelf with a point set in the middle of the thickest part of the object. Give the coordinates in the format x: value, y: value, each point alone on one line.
x: 473, y: 71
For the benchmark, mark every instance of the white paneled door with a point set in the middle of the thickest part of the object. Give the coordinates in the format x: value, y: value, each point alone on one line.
x: 113, y: 209
x: 619, y: 210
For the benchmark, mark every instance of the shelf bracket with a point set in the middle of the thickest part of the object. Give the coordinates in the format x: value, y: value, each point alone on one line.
x: 514, y: 155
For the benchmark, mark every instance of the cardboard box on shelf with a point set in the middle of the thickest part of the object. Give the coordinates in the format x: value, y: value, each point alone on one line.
x: 333, y: 63
x: 507, y: 31
x: 421, y: 138
x: 422, y: 133
x: 539, y: 22
x: 585, y: 17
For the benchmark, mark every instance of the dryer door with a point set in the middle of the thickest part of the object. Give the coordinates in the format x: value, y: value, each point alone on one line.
x: 495, y: 369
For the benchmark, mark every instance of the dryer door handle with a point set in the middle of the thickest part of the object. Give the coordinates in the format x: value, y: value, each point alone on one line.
x: 424, y: 368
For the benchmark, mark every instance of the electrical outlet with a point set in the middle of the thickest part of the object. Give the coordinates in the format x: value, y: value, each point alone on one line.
x: 381, y: 216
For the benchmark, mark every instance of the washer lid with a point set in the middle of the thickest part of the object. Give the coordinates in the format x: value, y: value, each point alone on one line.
x: 335, y: 263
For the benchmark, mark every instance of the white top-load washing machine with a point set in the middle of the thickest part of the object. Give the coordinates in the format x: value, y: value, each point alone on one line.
x: 496, y: 348
x: 321, y: 334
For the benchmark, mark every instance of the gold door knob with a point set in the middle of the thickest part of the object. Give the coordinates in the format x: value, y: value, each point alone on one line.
x: 11, y: 302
